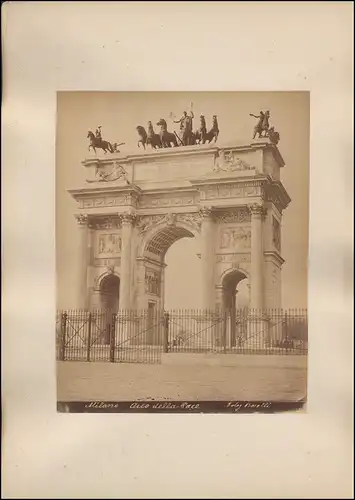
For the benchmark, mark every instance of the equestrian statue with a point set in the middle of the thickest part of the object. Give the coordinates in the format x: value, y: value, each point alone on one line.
x: 262, y: 125
x: 262, y: 128
x: 96, y: 142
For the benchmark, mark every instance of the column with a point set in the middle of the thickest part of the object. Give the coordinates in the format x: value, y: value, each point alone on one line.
x: 256, y: 325
x: 257, y: 272
x: 127, y: 220
x: 207, y: 258
x: 82, y: 262
x: 90, y: 263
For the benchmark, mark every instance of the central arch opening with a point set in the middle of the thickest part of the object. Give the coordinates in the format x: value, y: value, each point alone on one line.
x: 174, y: 282
x: 183, y: 275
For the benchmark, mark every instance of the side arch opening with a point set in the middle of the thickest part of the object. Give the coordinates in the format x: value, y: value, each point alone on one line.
x: 236, y: 325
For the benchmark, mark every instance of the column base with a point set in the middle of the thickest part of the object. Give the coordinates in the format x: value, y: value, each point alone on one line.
x: 212, y: 332
x: 136, y: 329
x: 257, y: 332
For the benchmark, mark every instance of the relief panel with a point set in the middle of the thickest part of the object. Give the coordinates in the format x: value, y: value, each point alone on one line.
x: 108, y: 244
x: 238, y: 238
x: 152, y: 282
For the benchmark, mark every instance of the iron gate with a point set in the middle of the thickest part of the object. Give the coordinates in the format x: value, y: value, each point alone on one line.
x: 130, y: 337
x: 141, y: 336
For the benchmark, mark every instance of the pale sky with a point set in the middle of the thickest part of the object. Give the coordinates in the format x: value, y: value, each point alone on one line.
x: 120, y: 112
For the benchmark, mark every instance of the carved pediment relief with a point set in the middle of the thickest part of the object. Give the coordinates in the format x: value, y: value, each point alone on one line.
x: 110, y: 173
x: 229, y: 161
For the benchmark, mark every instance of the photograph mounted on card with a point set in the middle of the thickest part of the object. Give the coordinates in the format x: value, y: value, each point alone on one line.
x: 182, y: 247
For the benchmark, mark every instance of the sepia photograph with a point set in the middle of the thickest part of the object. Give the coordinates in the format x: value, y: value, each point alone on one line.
x: 181, y: 251
x: 177, y: 250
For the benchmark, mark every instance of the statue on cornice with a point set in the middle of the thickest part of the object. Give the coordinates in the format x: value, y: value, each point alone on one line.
x: 263, y: 129
x: 96, y: 141
x: 273, y: 135
x: 262, y: 124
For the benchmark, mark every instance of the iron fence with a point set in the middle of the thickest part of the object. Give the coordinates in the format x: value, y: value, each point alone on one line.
x: 141, y: 336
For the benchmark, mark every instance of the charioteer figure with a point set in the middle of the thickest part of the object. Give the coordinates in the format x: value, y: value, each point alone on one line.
x: 186, y: 134
x: 186, y: 121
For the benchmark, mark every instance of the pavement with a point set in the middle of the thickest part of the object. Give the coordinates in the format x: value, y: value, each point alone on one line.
x: 263, y: 378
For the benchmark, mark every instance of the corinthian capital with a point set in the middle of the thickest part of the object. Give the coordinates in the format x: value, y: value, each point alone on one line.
x: 205, y: 212
x: 82, y: 219
x: 257, y: 210
x: 128, y: 218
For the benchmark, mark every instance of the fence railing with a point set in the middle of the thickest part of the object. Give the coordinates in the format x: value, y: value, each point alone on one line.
x: 143, y: 335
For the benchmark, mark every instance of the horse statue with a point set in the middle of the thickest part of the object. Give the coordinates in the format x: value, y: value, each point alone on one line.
x: 166, y: 138
x: 142, y: 136
x: 153, y: 139
x: 203, y: 136
x: 201, y: 133
x: 96, y: 142
x: 273, y: 135
x: 213, y: 133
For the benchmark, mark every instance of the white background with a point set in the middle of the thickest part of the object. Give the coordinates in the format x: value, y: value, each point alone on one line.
x: 173, y: 46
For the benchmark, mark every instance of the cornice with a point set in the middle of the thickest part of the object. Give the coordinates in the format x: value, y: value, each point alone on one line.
x: 276, y: 256
x: 185, y: 151
x: 105, y: 190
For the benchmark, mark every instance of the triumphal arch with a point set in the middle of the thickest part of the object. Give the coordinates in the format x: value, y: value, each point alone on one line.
x: 134, y: 207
